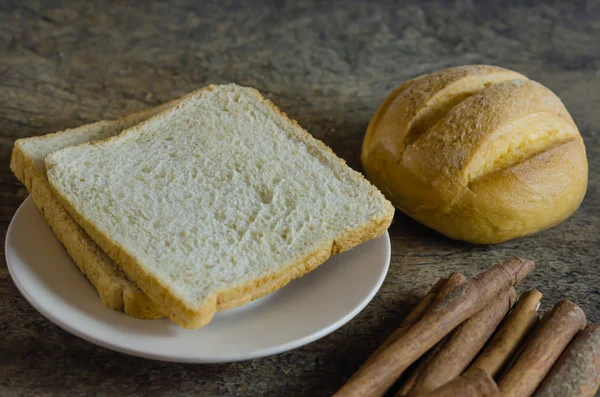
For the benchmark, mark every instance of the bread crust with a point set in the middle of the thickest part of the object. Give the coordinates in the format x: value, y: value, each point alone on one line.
x: 455, y: 175
x: 114, y: 288
x: 187, y: 316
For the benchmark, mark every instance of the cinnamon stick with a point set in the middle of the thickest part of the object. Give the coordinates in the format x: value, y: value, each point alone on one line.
x: 504, y: 344
x: 379, y: 373
x: 577, y: 371
x: 453, y: 281
x: 422, y: 364
x: 438, y: 292
x: 461, y: 348
x: 542, y: 349
x: 476, y: 383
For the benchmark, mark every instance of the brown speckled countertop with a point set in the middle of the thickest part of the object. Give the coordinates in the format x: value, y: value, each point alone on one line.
x: 327, y: 64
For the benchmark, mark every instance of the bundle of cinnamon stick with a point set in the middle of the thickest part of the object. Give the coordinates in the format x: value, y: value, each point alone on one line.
x: 469, y: 338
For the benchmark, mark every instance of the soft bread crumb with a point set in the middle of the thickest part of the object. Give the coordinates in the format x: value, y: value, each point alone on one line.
x: 217, y: 193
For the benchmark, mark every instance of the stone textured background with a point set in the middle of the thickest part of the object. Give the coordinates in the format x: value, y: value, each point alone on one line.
x: 329, y: 65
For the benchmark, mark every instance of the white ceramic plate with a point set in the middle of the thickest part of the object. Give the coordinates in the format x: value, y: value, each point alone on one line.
x: 301, y: 312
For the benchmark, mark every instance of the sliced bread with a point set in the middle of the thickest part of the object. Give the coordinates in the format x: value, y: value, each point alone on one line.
x: 216, y: 202
x: 27, y: 163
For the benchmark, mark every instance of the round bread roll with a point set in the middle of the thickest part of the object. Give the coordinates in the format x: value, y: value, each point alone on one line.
x: 478, y: 153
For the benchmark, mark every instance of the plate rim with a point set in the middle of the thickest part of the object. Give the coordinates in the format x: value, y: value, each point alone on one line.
x: 148, y: 354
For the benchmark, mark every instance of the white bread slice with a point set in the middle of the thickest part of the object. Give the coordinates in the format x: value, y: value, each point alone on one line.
x: 27, y: 163
x: 216, y: 201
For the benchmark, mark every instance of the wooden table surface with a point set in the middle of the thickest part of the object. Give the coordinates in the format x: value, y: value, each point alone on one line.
x: 329, y: 65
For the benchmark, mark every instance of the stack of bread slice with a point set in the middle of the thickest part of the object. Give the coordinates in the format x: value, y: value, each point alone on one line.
x: 199, y: 205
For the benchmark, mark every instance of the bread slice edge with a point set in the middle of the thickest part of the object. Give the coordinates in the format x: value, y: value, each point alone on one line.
x: 195, y: 317
x: 114, y: 288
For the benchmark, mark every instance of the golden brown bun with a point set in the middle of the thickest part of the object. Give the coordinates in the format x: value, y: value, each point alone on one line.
x: 478, y: 153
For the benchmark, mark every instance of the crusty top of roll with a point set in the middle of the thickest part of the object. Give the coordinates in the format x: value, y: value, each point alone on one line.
x: 438, y: 135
